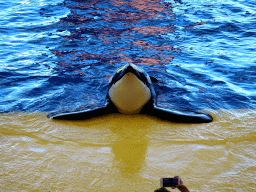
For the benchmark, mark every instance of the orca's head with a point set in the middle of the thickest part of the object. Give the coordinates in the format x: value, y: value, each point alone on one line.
x: 130, y: 89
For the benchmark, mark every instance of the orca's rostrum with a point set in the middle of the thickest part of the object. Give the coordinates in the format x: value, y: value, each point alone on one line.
x: 131, y: 91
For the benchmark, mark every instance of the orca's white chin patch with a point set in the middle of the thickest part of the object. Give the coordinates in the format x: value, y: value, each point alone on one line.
x: 129, y: 94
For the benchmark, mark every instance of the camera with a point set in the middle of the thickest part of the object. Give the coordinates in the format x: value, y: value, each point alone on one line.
x: 169, y: 182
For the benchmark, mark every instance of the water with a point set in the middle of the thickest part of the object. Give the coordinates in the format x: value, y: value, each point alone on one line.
x: 59, y: 55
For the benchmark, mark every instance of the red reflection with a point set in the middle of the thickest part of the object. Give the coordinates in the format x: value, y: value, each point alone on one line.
x: 152, y: 7
x: 146, y: 46
x: 151, y: 30
x: 121, y: 41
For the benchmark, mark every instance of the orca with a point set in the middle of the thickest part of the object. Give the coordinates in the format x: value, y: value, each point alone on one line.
x: 131, y: 91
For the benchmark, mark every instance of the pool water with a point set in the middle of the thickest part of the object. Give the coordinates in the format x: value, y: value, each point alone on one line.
x: 58, y: 56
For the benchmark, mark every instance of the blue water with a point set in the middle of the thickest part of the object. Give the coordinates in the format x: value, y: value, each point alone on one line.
x: 58, y: 55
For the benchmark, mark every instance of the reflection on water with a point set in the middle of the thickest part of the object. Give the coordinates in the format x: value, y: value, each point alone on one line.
x: 114, y: 32
x: 127, y: 153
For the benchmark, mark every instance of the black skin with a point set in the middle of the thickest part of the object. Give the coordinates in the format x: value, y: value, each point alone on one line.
x: 149, y: 108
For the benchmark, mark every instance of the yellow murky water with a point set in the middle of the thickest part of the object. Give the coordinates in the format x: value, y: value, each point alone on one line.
x: 127, y: 153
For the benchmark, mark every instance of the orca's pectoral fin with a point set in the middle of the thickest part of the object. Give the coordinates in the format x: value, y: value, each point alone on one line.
x: 83, y: 115
x: 181, y: 117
